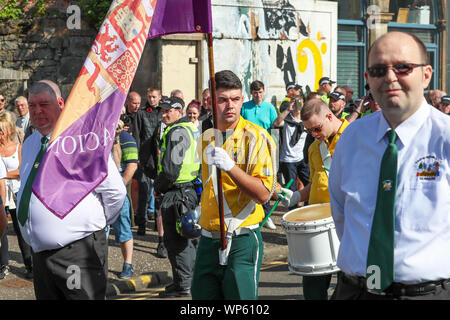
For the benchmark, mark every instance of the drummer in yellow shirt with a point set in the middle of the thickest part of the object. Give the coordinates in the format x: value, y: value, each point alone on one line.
x: 247, y: 163
x: 326, y: 128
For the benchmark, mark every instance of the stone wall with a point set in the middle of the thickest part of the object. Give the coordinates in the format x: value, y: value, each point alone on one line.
x: 41, y: 48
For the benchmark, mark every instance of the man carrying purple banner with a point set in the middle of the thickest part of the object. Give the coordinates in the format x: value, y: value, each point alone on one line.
x: 70, y: 252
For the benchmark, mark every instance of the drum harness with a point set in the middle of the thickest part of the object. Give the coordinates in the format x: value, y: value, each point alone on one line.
x: 231, y: 222
x: 326, y: 156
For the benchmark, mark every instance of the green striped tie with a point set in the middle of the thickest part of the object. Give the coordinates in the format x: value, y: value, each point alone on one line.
x: 381, y: 245
x: 24, y: 205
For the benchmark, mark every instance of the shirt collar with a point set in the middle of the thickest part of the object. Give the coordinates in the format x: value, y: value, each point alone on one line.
x: 408, y: 129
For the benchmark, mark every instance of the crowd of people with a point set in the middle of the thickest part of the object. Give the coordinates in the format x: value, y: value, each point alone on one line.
x: 169, y: 147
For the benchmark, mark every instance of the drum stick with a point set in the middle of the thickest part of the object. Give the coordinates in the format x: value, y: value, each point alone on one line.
x: 276, y: 203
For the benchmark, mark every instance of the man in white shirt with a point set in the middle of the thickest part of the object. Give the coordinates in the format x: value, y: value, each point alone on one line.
x: 398, y: 73
x: 69, y: 254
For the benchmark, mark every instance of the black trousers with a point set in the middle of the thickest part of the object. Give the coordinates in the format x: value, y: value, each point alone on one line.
x: 25, y: 248
x: 144, y: 186
x: 348, y: 291
x: 181, y: 251
x: 77, y: 271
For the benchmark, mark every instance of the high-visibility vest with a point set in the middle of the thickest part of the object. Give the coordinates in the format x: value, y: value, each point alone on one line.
x: 190, y: 166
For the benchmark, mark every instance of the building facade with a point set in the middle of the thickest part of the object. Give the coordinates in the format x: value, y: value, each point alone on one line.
x: 360, y: 22
x: 275, y: 41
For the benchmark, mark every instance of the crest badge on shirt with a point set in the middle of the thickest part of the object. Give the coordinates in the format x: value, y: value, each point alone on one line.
x: 428, y: 168
x: 387, y: 185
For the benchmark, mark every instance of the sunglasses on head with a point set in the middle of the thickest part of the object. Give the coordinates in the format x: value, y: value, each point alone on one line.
x: 400, y: 69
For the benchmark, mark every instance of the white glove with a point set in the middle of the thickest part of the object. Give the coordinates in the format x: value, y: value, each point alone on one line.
x: 289, y: 198
x: 219, y: 157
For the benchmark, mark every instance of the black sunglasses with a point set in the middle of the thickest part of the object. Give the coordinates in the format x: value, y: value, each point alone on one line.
x: 2, y: 100
x: 400, y: 69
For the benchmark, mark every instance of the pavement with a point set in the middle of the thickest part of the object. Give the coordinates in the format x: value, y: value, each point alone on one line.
x: 149, y: 270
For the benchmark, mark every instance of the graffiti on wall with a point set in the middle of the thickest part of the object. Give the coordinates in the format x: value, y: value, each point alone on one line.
x: 276, y: 43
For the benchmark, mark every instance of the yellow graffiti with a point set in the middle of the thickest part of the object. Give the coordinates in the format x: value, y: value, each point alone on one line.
x: 302, y: 58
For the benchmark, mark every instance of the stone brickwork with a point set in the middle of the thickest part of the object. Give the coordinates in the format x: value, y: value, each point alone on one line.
x: 41, y: 48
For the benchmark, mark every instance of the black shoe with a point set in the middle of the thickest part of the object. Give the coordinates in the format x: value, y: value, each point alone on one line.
x: 141, y: 230
x: 29, y: 274
x: 161, y: 251
x: 174, y: 292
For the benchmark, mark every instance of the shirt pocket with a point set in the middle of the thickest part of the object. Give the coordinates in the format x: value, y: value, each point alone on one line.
x: 420, y: 209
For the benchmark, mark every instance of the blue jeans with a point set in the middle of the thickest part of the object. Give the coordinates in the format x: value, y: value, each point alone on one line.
x: 292, y: 170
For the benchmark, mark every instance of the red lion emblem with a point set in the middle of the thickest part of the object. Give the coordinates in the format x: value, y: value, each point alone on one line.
x: 104, y: 44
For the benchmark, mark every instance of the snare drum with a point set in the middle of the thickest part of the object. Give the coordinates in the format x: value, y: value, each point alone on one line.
x: 312, y: 240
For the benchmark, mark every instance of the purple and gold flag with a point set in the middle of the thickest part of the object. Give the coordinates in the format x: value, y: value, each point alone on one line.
x: 76, y: 159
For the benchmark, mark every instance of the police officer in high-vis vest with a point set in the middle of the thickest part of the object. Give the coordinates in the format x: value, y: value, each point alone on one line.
x: 178, y: 167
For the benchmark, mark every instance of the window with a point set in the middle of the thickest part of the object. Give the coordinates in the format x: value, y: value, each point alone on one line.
x: 413, y: 11
x: 419, y: 20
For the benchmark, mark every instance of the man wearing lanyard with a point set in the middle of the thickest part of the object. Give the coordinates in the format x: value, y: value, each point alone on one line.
x: 392, y: 214
x: 77, y: 243
x: 247, y: 163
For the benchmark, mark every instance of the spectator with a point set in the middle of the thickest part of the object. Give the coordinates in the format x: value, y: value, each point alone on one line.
x: 174, y: 184
x: 80, y: 238
x: 293, y: 91
x: 292, y: 164
x: 435, y: 97
x: 348, y: 93
x: 193, y: 112
x: 337, y: 104
x: 133, y: 104
x: 365, y: 106
x: 263, y: 114
x: 444, y: 105
x: 10, y: 153
x: 177, y: 93
x: 257, y: 110
x: 205, y: 111
x: 145, y: 122
x: 23, y: 121
x: 3, y: 219
x: 325, y: 87
x: 126, y: 156
x: 18, y: 135
x: 2, y: 102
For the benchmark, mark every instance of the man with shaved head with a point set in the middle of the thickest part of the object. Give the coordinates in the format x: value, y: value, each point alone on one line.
x: 69, y: 254
x: 133, y: 103
x: 389, y: 183
x: 326, y: 128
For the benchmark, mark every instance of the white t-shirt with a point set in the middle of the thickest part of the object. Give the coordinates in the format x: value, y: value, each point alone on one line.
x: 290, y: 153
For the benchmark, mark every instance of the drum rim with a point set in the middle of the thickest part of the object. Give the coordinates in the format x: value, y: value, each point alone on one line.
x: 311, y: 223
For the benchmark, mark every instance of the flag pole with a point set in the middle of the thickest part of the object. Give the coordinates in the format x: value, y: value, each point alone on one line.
x: 216, y: 138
